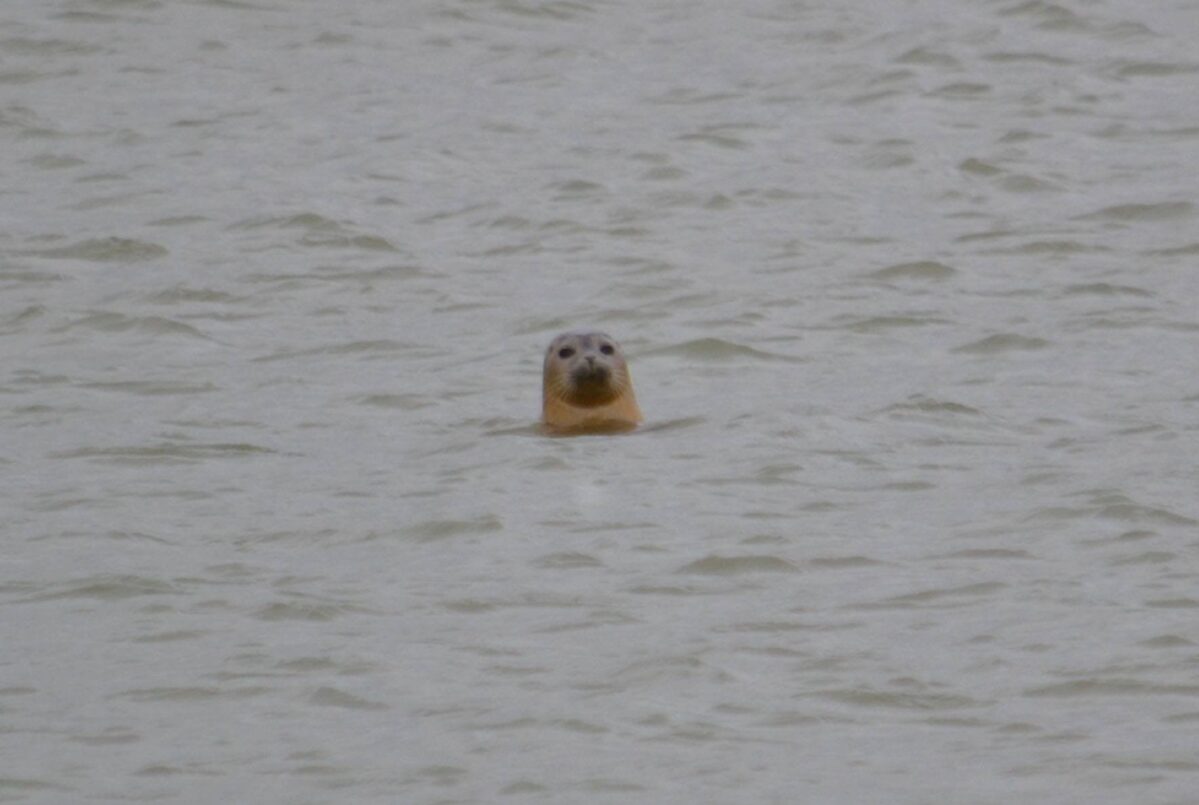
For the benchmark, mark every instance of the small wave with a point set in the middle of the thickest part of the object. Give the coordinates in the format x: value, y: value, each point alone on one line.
x: 1116, y: 507
x: 920, y: 270
x: 837, y: 562
x: 883, y: 324
x: 377, y: 347
x: 718, y: 350
x: 152, y: 387
x: 941, y: 597
x: 1165, y: 211
x: 108, y: 588
x: 182, y: 295
x: 402, y: 402
x: 985, y: 553
x: 119, y: 323
x: 191, y: 694
x: 1110, y: 687
x: 1153, y: 69
x: 105, y: 250
x: 736, y: 565
x: 304, y: 611
x: 1105, y: 289
x: 1002, y: 342
x: 919, y: 404
x: 308, y: 221
x: 332, y: 697
x: 444, y: 529
x: 170, y: 453
x: 568, y: 560
x: 901, y: 700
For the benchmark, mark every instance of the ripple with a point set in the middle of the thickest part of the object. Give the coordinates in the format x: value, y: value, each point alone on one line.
x: 1176, y: 251
x: 182, y: 295
x: 1049, y: 15
x: 1122, y: 508
x: 172, y: 637
x: 884, y: 324
x: 1173, y: 603
x: 567, y: 560
x: 120, y: 323
x: 1104, y: 289
x: 319, y: 232
x: 400, y: 402
x: 771, y: 627
x: 23, y: 276
x: 672, y: 424
x: 332, y: 697
x: 152, y: 388
x: 308, y: 221
x: 366, y: 242
x: 978, y: 167
x: 105, y: 250
x: 1029, y: 57
x: 925, y: 270
x: 1111, y: 687
x: 947, y: 596
x: 1140, y: 69
x: 319, y: 611
x: 577, y: 189
x: 179, y: 220
x: 56, y: 161
x: 900, y: 700
x: 167, y: 453
x: 1166, y: 641
x: 18, y: 786
x: 109, y: 588
x: 445, y: 529
x: 714, y: 565
x: 112, y: 735
x: 919, y: 404
x: 20, y: 690
x: 24, y: 316
x: 928, y: 56
x: 718, y: 350
x: 379, y: 347
x: 1165, y: 211
x: 191, y: 694
x: 962, y: 89
x: 985, y: 553
x: 45, y: 47
x: 1024, y: 183
x: 469, y: 606
x: 838, y: 562
x: 1002, y: 342
x: 719, y: 136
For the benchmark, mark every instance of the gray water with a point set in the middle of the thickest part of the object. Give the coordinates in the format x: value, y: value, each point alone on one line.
x: 909, y: 291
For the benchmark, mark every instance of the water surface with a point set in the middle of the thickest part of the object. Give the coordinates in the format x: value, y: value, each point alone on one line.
x: 910, y: 299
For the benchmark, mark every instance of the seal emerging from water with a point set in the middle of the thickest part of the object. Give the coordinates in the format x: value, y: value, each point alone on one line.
x: 586, y: 387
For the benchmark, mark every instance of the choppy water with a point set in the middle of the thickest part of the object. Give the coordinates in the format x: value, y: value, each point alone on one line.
x: 911, y: 300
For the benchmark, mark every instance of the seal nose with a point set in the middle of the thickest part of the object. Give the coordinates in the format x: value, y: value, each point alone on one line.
x: 590, y: 360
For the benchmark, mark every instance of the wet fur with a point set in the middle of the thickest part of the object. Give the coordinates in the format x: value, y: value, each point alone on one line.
x: 576, y: 399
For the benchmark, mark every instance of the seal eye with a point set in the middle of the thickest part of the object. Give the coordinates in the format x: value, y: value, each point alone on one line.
x: 607, y: 349
x: 565, y: 352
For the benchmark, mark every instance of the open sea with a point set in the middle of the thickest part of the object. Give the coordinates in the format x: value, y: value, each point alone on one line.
x: 910, y: 294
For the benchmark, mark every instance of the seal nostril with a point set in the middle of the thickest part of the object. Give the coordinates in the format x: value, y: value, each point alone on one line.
x: 592, y: 395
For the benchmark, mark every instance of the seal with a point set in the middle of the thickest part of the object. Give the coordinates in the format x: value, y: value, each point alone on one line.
x: 586, y: 387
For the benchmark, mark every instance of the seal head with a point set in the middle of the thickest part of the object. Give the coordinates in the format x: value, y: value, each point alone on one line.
x: 586, y: 387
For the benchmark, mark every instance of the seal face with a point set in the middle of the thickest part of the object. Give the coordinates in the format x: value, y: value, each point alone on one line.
x: 586, y: 387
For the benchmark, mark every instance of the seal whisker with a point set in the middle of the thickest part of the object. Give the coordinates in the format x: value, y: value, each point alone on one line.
x: 586, y: 386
